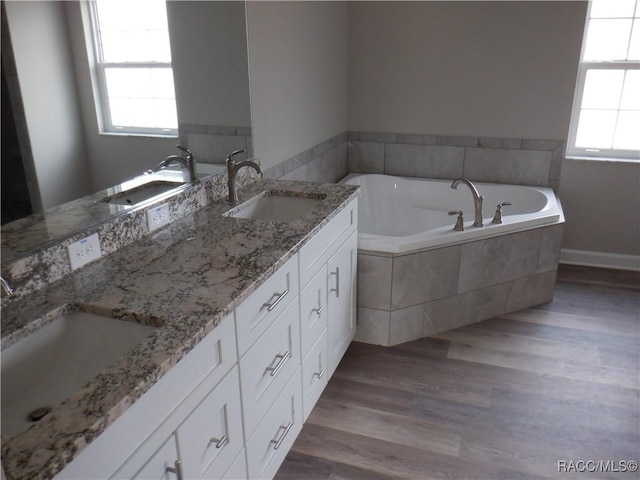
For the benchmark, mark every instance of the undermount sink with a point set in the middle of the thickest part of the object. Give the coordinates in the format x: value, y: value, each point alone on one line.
x: 275, y: 208
x: 46, y: 367
x: 141, y: 193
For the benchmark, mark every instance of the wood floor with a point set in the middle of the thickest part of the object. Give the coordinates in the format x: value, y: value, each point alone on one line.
x: 507, y: 398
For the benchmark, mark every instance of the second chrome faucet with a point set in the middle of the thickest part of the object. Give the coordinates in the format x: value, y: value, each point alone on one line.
x: 232, y: 172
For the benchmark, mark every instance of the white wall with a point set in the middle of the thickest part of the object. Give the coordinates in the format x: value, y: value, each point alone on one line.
x: 209, y: 52
x: 502, y: 69
x: 601, y: 201
x: 298, y: 75
x: 45, y: 74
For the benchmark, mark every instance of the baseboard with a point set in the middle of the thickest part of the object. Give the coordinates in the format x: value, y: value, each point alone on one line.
x: 600, y: 259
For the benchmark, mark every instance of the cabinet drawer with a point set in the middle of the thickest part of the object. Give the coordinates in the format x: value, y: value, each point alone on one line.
x: 313, y: 310
x: 267, y: 367
x: 211, y: 437
x: 238, y: 469
x: 164, y: 464
x: 315, y: 375
x: 274, y: 436
x: 256, y: 313
x: 317, y: 251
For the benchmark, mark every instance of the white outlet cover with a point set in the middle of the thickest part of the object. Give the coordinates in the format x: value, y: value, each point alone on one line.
x: 84, y: 251
x: 158, y: 217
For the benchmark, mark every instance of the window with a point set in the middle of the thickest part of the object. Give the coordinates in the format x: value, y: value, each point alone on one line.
x: 133, y: 66
x: 605, y: 122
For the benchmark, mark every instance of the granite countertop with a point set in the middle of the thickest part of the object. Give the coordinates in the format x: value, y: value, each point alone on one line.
x: 184, y: 279
x: 46, y: 228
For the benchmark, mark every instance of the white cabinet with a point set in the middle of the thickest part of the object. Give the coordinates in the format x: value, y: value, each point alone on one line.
x: 211, y: 437
x: 315, y: 374
x: 256, y: 313
x: 341, y: 300
x: 267, y: 367
x: 274, y: 436
x: 327, y: 301
x: 233, y: 407
x: 164, y: 464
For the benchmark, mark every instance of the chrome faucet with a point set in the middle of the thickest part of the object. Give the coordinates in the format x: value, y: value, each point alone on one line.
x: 477, y: 199
x: 189, y: 163
x: 232, y: 172
x: 7, y: 288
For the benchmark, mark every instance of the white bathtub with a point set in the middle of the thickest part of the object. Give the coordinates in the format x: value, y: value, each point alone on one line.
x: 398, y: 215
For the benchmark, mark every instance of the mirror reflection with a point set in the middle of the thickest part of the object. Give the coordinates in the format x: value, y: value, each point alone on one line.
x: 53, y: 151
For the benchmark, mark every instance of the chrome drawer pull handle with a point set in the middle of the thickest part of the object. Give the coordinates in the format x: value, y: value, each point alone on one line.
x: 318, y: 310
x: 274, y: 304
x: 319, y: 374
x: 220, y: 442
x: 177, y: 469
x: 337, y: 289
x: 283, y: 358
x: 278, y: 441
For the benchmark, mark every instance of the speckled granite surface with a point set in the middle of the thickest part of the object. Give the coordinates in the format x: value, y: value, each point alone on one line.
x: 183, y: 278
x: 34, y: 249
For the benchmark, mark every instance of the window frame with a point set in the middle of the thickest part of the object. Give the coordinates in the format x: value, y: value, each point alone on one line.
x: 572, y: 151
x: 100, y: 84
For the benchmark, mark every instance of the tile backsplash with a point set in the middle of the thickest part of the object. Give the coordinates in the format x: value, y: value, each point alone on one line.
x: 484, y: 159
x: 213, y: 143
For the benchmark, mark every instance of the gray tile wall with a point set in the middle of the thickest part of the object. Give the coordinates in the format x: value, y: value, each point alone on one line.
x: 212, y: 143
x: 409, y: 296
x: 325, y: 162
x: 485, y: 159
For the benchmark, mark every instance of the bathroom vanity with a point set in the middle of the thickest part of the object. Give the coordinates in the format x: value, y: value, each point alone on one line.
x: 251, y: 318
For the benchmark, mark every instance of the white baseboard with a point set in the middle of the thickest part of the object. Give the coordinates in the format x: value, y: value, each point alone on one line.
x: 600, y: 259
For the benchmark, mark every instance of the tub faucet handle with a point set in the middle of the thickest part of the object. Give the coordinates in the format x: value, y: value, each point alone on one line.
x: 459, y: 227
x: 497, y: 218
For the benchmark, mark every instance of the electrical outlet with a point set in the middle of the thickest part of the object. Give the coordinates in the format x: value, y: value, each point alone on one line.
x: 84, y: 251
x: 158, y: 216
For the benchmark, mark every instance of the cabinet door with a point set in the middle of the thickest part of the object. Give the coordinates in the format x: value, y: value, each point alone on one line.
x: 164, y: 464
x: 313, y: 311
x: 314, y: 374
x: 341, y: 300
x: 211, y: 437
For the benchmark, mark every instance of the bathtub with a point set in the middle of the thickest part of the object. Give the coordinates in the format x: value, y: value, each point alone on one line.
x: 399, y: 215
x: 418, y: 277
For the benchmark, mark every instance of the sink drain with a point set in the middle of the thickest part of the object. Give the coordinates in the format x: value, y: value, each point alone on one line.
x: 38, y: 413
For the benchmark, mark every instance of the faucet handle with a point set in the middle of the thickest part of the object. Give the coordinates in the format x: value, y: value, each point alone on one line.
x: 184, y: 149
x: 459, y: 227
x: 497, y: 218
x: 234, y: 153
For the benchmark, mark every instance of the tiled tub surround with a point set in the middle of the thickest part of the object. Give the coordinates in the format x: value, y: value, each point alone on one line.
x: 446, y: 279
x: 183, y: 278
x: 482, y: 159
x: 34, y: 249
x: 213, y: 143
x: 402, y: 297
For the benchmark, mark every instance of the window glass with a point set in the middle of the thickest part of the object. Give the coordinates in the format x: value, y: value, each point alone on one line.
x: 133, y: 58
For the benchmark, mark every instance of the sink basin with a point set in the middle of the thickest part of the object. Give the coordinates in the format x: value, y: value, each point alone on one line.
x: 141, y: 193
x: 275, y: 208
x: 46, y: 367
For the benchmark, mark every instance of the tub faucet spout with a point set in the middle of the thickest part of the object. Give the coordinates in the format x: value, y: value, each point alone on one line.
x: 477, y: 199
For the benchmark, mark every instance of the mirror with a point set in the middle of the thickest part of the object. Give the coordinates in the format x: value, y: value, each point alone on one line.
x: 44, y: 59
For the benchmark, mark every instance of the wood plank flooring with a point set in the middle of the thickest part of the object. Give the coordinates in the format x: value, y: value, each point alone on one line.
x: 507, y: 398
